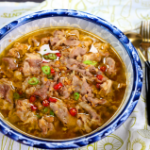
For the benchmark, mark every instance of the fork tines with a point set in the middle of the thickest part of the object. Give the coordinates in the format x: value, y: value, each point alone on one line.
x: 145, y: 33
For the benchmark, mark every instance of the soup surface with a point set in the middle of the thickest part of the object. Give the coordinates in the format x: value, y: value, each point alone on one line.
x: 60, y: 83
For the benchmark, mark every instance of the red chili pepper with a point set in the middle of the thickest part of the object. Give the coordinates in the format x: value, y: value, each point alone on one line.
x: 58, y: 86
x: 98, y: 85
x: 52, y: 71
x: 99, y: 77
x: 58, y: 54
x: 73, y: 111
x: 33, y: 108
x: 32, y: 99
x: 47, y: 54
x: 53, y: 100
x: 103, y: 68
x: 20, y: 92
x: 45, y: 103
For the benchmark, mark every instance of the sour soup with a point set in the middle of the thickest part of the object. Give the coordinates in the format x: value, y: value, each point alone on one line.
x: 60, y: 83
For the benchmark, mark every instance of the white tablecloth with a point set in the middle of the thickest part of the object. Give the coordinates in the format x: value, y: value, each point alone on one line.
x: 134, y: 134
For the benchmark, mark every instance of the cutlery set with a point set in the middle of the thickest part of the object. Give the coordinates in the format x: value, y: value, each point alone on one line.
x: 142, y: 43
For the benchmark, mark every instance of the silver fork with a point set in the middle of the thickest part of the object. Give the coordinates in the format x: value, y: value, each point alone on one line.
x: 145, y: 33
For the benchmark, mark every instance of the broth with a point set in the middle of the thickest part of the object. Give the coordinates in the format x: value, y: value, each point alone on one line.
x: 60, y: 83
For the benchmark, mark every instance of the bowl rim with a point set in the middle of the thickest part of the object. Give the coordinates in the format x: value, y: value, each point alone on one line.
x: 121, y: 117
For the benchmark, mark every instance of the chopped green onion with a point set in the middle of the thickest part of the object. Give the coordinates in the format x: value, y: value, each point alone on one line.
x: 16, y: 95
x: 52, y: 113
x: 33, y: 81
x: 76, y: 96
x: 45, y: 109
x: 45, y: 56
x: 38, y: 116
x: 89, y: 62
x: 52, y: 56
x: 50, y: 76
x: 45, y: 49
x: 46, y: 70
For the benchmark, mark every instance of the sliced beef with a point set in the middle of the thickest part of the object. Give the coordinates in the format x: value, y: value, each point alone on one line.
x: 45, y: 40
x: 76, y: 82
x: 13, y: 52
x: 58, y: 39
x: 92, y: 56
x: 86, y: 88
x: 9, y: 94
x: 46, y: 126
x: 23, y: 109
x: 96, y: 101
x: 73, y: 38
x: 61, y: 111
x: 57, y: 76
x: 26, y: 69
x: 64, y: 92
x: 111, y: 68
x: 6, y: 92
x: 77, y: 51
x: 93, y: 70
x: 34, y: 59
x: 75, y: 68
x: 75, y: 65
x: 51, y: 88
x: 106, y: 87
x: 11, y: 62
x: 84, y: 122
x: 88, y: 73
x: 18, y: 50
x: 58, y: 33
x: 84, y: 70
x: 72, y: 61
x: 35, y: 70
x: 43, y: 91
x: 33, y: 42
x: 32, y: 64
x: 79, y: 109
x: 2, y: 91
x: 95, y: 117
x: 72, y: 41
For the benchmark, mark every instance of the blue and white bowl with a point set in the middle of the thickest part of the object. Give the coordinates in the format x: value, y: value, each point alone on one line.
x: 100, y: 27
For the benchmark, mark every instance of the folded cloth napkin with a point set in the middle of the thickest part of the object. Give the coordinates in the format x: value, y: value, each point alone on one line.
x: 134, y: 134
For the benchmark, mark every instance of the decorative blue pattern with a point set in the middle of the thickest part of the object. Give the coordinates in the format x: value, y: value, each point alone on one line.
x: 124, y: 114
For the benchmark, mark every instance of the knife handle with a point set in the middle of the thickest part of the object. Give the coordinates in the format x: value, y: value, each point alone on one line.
x: 147, y: 84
